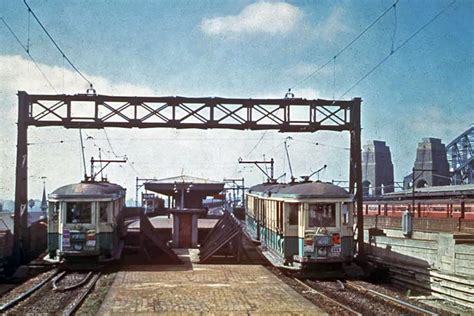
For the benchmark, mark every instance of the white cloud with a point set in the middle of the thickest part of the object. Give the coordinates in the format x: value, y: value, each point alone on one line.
x: 260, y: 17
x: 335, y: 24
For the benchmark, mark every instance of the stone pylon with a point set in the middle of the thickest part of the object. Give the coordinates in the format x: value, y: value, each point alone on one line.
x: 377, y: 169
x: 431, y: 163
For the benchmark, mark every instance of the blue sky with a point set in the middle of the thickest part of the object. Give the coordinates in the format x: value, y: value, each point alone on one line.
x: 242, y: 49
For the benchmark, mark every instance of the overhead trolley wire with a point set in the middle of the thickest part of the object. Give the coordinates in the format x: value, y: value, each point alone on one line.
x: 56, y: 45
x: 110, y: 144
x: 26, y: 49
x: 348, y: 45
x: 399, y: 47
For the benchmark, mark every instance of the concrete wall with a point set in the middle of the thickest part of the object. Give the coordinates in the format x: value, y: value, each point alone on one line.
x: 430, y: 250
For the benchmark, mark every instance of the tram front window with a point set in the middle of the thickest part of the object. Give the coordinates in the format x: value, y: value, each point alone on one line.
x: 322, y: 215
x: 78, y: 213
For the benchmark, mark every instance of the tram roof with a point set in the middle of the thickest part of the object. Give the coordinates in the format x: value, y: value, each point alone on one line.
x: 88, y: 190
x: 305, y: 190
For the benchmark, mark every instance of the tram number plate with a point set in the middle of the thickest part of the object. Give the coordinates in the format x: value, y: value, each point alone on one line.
x: 336, y: 249
x: 78, y: 236
x: 90, y: 243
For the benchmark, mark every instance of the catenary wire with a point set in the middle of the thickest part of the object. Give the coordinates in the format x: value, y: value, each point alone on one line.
x: 56, y: 44
x: 347, y: 46
x: 28, y: 53
x: 398, y: 48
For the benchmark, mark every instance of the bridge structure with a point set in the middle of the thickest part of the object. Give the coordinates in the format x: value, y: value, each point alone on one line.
x: 91, y: 111
x: 461, y: 157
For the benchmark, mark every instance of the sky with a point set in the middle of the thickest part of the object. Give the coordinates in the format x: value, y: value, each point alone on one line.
x: 236, y: 49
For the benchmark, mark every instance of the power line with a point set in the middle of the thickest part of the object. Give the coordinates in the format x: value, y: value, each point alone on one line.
x: 347, y: 46
x: 26, y: 49
x: 110, y: 144
x: 56, y: 44
x: 394, y: 27
x: 398, y: 48
x: 130, y: 163
x: 256, y: 145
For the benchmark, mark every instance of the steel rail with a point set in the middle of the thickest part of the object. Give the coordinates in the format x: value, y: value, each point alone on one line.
x: 26, y: 294
x: 391, y: 299
x: 74, y: 306
x: 312, y: 290
x: 56, y: 287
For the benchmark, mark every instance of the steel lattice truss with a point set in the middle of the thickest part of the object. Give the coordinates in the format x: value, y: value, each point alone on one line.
x: 461, y: 157
x: 99, y: 111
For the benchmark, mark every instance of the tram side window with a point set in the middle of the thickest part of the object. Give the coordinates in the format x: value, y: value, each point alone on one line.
x: 78, y: 213
x: 345, y: 213
x: 103, y: 212
x: 54, y: 210
x: 293, y: 216
x: 322, y: 215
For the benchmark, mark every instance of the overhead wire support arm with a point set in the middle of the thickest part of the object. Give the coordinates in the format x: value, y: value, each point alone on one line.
x: 257, y: 163
x: 106, y: 161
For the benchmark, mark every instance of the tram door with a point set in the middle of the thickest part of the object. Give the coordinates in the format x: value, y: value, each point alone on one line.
x: 292, y: 219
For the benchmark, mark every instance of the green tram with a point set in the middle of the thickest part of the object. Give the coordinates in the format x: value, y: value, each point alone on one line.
x: 85, y: 221
x: 303, y: 224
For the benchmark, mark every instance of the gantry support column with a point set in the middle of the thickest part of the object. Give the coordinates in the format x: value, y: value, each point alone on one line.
x: 20, y: 243
x: 355, y: 173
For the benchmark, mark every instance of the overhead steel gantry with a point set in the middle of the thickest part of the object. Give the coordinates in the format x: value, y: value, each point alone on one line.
x: 101, y: 111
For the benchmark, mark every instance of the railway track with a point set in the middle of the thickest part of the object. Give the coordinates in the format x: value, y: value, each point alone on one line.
x: 59, y: 293
x: 338, y: 307
x: 392, y: 300
x: 362, y: 301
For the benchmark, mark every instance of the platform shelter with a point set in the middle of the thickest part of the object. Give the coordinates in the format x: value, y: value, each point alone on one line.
x: 185, y: 202
x: 185, y: 191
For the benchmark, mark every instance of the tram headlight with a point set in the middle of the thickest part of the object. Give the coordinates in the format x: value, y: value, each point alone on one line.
x: 77, y: 246
x: 322, y: 252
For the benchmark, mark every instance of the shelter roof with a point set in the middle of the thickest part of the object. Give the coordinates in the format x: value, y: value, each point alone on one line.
x: 169, y: 186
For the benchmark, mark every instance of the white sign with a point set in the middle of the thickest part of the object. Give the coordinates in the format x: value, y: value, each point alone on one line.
x: 308, y: 248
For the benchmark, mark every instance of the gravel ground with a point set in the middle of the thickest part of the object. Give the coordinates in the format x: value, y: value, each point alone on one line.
x: 318, y: 300
x: 95, y: 298
x: 361, y: 302
x: 45, y: 300
x: 400, y: 294
x: 23, y: 287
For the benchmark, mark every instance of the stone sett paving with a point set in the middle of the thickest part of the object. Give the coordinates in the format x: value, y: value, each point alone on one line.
x: 203, y: 289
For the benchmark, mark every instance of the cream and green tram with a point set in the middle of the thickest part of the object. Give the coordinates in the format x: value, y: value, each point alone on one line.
x: 308, y: 223
x: 85, y: 220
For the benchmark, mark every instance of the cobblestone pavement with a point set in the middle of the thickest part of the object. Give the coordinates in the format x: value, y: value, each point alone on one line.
x: 203, y: 289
